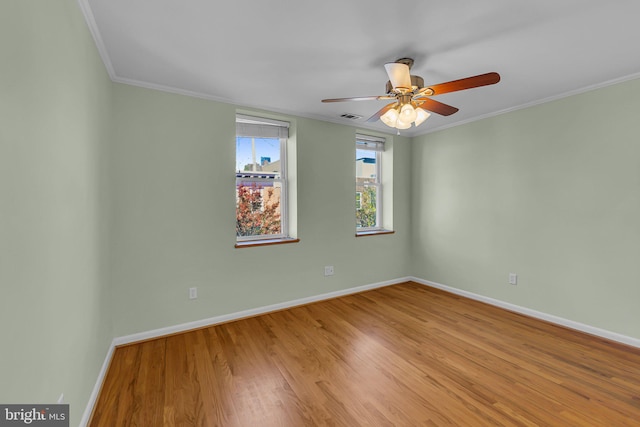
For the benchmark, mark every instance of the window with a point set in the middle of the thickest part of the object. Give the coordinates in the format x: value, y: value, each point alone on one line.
x: 369, y: 183
x: 261, y: 179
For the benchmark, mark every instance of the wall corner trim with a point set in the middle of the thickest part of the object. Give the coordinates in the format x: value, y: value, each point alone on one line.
x: 588, y: 329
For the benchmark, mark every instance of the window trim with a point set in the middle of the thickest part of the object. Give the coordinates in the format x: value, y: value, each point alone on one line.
x: 270, y: 242
x: 274, y: 129
x: 375, y: 144
x: 374, y: 232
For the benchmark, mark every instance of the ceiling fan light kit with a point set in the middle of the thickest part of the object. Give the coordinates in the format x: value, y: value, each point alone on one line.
x: 402, y: 117
x: 412, y: 103
x: 422, y: 115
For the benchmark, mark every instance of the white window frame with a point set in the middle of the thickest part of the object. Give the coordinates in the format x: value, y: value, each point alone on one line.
x: 376, y: 145
x: 266, y: 128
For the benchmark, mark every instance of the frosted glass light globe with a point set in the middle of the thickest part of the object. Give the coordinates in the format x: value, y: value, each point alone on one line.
x: 422, y: 115
x: 401, y: 124
x: 390, y: 117
x: 408, y: 113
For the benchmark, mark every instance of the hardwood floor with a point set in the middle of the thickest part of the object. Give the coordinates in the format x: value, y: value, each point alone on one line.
x: 402, y: 355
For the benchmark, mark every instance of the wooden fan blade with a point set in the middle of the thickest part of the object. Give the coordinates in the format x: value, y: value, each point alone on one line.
x: 435, y: 106
x: 381, y: 111
x: 359, y: 98
x: 462, y: 84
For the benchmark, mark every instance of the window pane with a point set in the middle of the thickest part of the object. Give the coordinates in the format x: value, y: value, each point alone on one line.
x: 366, y: 198
x: 258, y: 155
x: 258, y: 208
x: 366, y: 188
x: 365, y: 166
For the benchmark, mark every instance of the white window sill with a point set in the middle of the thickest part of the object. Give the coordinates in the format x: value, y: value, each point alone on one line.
x: 265, y: 242
x: 373, y: 233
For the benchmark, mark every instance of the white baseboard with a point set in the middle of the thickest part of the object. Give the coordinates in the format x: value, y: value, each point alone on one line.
x: 613, y: 336
x: 157, y: 333
x: 96, y: 388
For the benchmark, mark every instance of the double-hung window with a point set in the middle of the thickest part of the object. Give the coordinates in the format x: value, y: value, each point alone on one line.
x: 261, y: 178
x: 369, y: 183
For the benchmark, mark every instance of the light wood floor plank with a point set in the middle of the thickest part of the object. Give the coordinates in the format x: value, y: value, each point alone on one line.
x: 402, y: 355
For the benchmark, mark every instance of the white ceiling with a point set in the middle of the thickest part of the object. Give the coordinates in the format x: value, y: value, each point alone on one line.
x: 287, y: 55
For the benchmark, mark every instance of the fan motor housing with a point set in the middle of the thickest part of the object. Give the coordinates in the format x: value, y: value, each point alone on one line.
x: 416, y: 81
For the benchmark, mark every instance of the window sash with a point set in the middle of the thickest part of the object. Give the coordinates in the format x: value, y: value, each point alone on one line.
x: 257, y: 127
x: 283, y: 209
x: 378, y: 225
x: 375, y: 144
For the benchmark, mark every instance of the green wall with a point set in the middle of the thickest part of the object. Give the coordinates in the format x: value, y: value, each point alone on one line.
x: 116, y: 199
x: 55, y: 321
x: 174, y: 215
x: 551, y: 193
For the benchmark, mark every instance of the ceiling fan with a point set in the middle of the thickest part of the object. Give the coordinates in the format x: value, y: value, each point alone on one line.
x: 412, y: 99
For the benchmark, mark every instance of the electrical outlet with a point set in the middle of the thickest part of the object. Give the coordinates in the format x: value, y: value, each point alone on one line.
x: 513, y: 279
x: 328, y: 270
x: 193, y: 293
